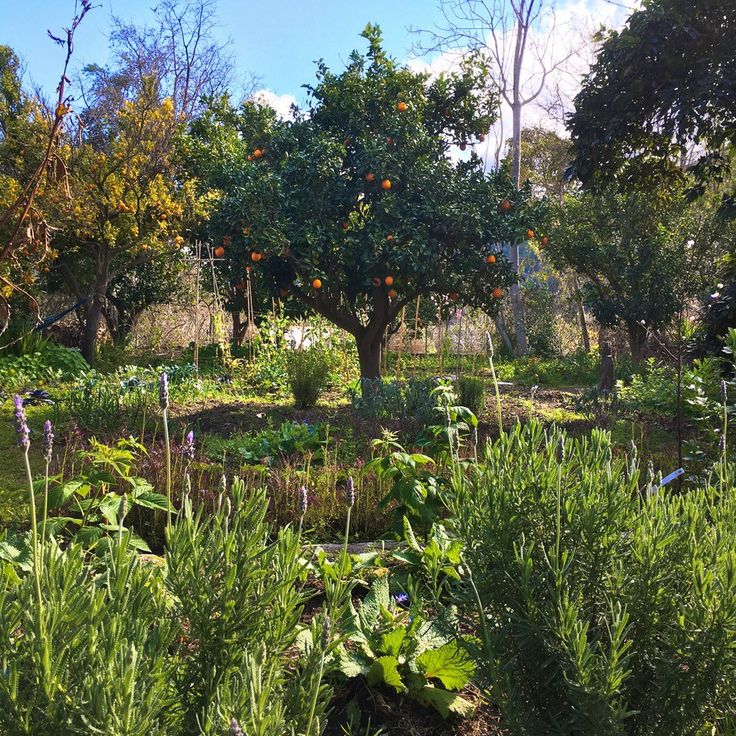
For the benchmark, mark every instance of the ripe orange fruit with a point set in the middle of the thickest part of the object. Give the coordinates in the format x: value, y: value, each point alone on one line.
x: 256, y: 256
x: 376, y: 281
x: 179, y: 240
x: 505, y: 205
x: 257, y: 153
x: 497, y: 293
x: 530, y: 233
x: 402, y: 106
x: 490, y: 259
x: 386, y: 184
x: 370, y: 177
x: 227, y: 240
x: 389, y: 280
x: 316, y: 284
x: 453, y: 296
x: 162, y: 217
x: 392, y: 294
x: 250, y: 157
x: 545, y: 240
x: 389, y: 237
x: 219, y: 252
x: 246, y: 231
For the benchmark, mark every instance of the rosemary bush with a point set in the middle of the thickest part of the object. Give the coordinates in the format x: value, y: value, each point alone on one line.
x: 608, y: 605
x: 471, y: 393
x: 309, y: 373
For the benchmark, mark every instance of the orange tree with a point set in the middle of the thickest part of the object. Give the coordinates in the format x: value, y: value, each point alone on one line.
x: 120, y: 212
x: 356, y: 207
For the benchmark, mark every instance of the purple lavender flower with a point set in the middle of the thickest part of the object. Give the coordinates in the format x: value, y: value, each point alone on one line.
x: 724, y: 392
x: 350, y: 492
x: 21, y: 424
x: 326, y: 632
x: 235, y: 729
x: 48, y: 441
x: 402, y: 599
x: 303, y: 500
x: 163, y: 391
x: 188, y: 449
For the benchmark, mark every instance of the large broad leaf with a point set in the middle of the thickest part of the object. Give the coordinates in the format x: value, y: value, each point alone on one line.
x: 449, y: 664
x: 89, y: 535
x: 152, y: 500
x: 392, y: 641
x: 139, y: 486
x: 110, y: 507
x: 443, y: 702
x: 385, y: 670
x: 409, y: 536
x: 370, y: 609
x: 59, y: 495
x: 352, y: 664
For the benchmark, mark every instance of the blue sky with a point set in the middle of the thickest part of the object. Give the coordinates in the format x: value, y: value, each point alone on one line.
x: 278, y: 41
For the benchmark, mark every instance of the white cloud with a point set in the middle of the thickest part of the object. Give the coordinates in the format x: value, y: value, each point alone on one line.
x: 280, y: 103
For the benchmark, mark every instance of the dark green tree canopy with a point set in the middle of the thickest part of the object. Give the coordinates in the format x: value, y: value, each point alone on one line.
x: 355, y: 204
x: 664, y: 83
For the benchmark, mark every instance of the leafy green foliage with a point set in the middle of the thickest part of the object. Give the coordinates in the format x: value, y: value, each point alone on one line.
x: 413, y: 399
x: 661, y: 84
x: 391, y: 648
x: 632, y: 250
x: 607, y: 604
x: 436, y: 562
x: 51, y: 363
x: 415, y: 490
x: 90, y: 502
x: 272, y: 445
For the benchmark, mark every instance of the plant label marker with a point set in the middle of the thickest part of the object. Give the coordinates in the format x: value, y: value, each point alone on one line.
x: 672, y: 476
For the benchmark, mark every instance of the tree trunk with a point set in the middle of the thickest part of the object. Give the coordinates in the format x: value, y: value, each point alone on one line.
x: 517, y: 305
x: 503, y: 334
x: 238, y: 331
x: 91, y: 325
x: 637, y: 340
x: 581, y: 316
x: 369, y: 355
x: 93, y: 312
x: 607, y: 379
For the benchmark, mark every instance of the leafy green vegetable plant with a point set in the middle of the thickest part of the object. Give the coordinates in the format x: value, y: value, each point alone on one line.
x: 397, y: 648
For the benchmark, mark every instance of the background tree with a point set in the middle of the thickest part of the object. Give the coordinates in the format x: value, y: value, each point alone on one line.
x: 180, y: 50
x: 660, y: 86
x: 520, y: 70
x: 122, y: 205
x: 643, y: 253
x: 355, y: 207
x: 21, y: 222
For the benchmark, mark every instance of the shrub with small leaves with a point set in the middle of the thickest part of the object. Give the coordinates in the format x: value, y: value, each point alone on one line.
x: 309, y: 372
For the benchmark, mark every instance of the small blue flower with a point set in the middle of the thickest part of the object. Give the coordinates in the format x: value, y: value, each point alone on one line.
x: 402, y: 599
